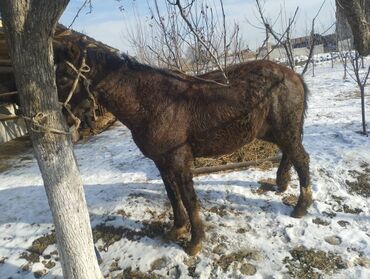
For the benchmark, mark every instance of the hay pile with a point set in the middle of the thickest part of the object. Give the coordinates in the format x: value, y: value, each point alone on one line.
x: 102, y: 123
x: 255, y: 150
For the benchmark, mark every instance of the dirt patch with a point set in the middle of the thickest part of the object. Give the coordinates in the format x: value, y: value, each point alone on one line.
x: 361, y: 183
x: 248, y: 269
x: 30, y: 257
x: 255, y: 150
x: 128, y: 273
x: 343, y: 223
x: 123, y: 213
x: 19, y: 147
x: 362, y: 261
x: 219, y: 210
x: 329, y: 214
x: 40, y: 273
x: 114, y: 266
x: 191, y: 263
x: 159, y: 264
x: 3, y: 259
x: 49, y: 264
x: 37, y: 248
x: 290, y: 200
x: 110, y: 234
x: 311, y: 264
x: 39, y: 245
x: 267, y: 185
x: 247, y: 228
x: 350, y: 210
x: 239, y: 257
x: 342, y: 207
x: 321, y: 222
x: 220, y: 249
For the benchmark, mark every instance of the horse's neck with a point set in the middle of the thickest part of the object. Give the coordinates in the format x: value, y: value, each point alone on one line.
x: 117, y: 91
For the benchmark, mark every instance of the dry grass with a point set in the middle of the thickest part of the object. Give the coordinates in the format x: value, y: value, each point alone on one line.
x: 255, y: 150
x: 102, y: 123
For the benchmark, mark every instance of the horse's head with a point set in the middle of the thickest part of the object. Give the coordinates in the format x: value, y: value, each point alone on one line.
x: 73, y: 77
x: 71, y: 68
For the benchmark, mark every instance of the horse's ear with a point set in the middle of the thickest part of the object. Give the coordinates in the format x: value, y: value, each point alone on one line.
x: 84, y: 44
x: 81, y: 45
x: 60, y: 51
x: 74, y: 51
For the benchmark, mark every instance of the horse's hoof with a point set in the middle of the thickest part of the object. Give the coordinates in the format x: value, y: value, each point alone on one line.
x: 298, y: 212
x: 304, y: 202
x: 300, y: 209
x: 193, y: 249
x: 176, y: 233
x: 282, y: 187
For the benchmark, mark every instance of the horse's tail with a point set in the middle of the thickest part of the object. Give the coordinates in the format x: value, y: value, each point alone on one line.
x: 305, y: 100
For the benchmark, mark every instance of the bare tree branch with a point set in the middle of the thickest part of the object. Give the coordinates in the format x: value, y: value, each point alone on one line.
x: 85, y: 3
x: 199, y: 38
x: 286, y: 34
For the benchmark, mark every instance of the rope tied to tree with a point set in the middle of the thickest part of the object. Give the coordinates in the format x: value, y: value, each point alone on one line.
x: 84, y: 68
x: 39, y: 119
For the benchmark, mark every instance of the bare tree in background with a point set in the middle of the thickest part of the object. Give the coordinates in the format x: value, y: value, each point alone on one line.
x: 353, y: 64
x: 361, y: 78
x: 188, y: 36
x: 283, y: 38
x: 29, y: 27
x: 344, y: 38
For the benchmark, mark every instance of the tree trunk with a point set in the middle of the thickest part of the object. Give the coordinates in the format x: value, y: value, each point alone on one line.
x: 364, y: 128
x: 313, y: 68
x: 29, y: 26
x: 357, y: 13
x: 332, y: 59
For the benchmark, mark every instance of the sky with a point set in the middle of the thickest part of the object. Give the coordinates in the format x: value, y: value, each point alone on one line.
x: 107, y: 22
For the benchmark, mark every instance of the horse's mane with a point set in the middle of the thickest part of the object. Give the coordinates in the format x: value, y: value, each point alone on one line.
x: 115, y: 60
x: 101, y: 56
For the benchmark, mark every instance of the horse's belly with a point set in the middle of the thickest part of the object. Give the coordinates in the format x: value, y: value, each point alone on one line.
x: 219, y: 142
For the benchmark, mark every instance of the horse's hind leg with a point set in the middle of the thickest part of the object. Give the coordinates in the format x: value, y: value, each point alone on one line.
x: 283, y: 173
x: 290, y: 142
x: 300, y: 160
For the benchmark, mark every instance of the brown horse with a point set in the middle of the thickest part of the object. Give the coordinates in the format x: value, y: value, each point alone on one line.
x: 175, y: 118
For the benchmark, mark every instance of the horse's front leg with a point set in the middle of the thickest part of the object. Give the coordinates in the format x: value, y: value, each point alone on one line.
x: 180, y: 226
x: 192, y: 206
x: 176, y: 166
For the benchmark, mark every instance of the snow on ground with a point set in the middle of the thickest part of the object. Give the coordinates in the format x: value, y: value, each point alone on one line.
x: 249, y: 230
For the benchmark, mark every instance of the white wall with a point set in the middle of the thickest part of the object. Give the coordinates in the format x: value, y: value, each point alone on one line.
x: 279, y: 53
x: 10, y: 129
